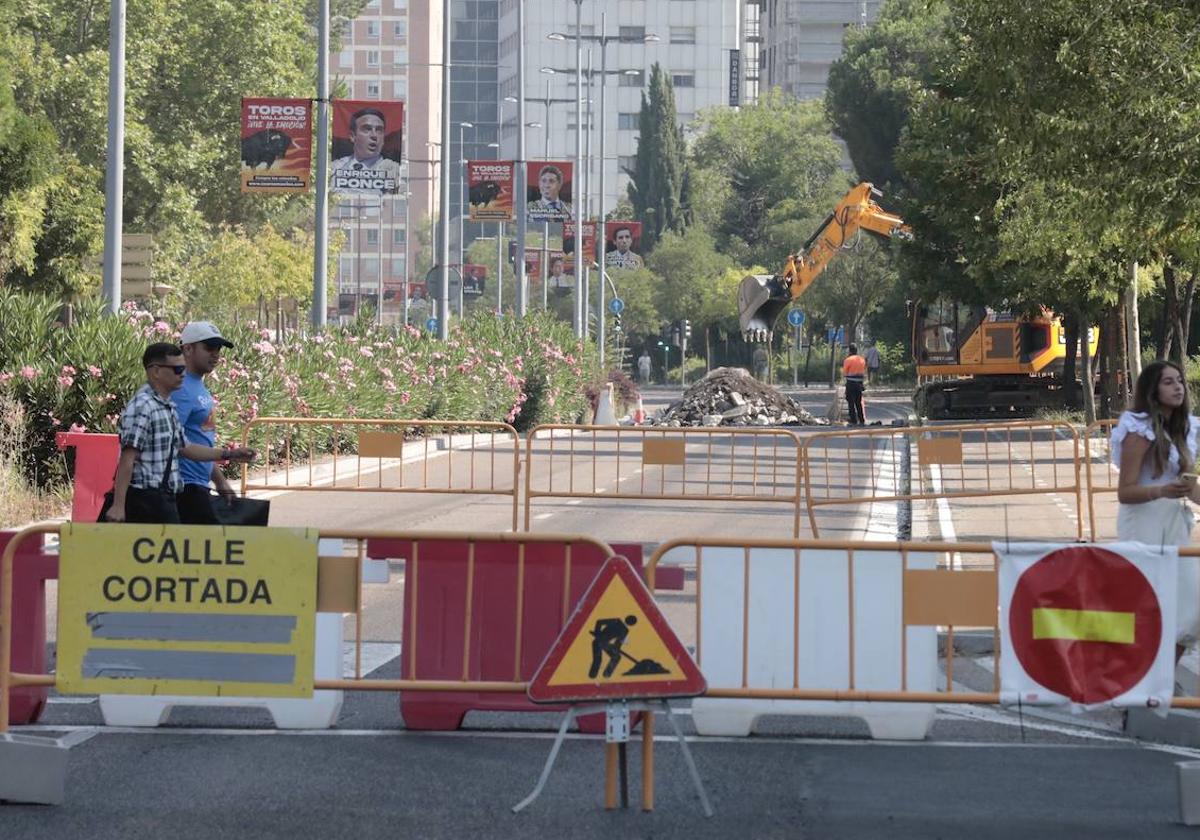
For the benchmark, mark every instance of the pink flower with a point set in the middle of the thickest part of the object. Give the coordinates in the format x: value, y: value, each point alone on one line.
x: 78, y: 428
x: 264, y: 347
x: 162, y: 327
x: 28, y: 372
x: 66, y: 381
x: 4, y: 377
x: 366, y: 351
x: 68, y: 370
x: 94, y: 371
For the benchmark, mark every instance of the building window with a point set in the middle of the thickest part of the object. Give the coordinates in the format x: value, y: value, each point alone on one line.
x: 372, y: 29
x: 586, y: 30
x: 627, y: 122
x: 372, y: 236
x: 633, y: 81
x: 348, y: 30
x: 400, y: 28
x: 372, y: 90
x: 683, y: 80
x: 400, y: 88
x: 346, y: 266
x: 632, y: 33
x: 400, y: 57
x: 627, y: 163
x: 345, y: 58
x: 683, y: 34
x: 372, y: 58
x: 398, y: 267
x: 398, y: 237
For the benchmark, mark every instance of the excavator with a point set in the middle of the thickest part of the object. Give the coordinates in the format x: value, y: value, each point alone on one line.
x: 972, y: 362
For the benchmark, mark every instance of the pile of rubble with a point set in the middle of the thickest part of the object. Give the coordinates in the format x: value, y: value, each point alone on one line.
x: 732, y: 397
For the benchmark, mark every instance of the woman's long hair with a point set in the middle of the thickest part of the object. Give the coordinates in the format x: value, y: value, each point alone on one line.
x: 1170, y: 425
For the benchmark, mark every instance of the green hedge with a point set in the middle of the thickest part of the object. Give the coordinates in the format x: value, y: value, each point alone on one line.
x: 79, y: 377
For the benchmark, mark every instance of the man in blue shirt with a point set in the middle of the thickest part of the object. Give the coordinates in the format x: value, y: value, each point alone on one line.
x: 202, y: 345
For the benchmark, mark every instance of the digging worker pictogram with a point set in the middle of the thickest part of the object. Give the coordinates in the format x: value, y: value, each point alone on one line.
x: 607, y: 637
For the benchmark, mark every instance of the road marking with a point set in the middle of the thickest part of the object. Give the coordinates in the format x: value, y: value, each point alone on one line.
x: 542, y: 515
x: 375, y: 655
x: 797, y: 741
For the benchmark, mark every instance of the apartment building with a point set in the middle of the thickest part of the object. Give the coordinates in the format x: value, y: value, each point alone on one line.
x: 697, y: 41
x: 800, y: 39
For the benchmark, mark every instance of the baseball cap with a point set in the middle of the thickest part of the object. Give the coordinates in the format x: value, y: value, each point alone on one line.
x: 202, y: 331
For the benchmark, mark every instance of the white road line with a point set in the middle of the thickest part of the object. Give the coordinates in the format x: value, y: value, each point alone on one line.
x: 945, y: 520
x: 374, y: 655
x: 542, y: 515
x: 504, y: 735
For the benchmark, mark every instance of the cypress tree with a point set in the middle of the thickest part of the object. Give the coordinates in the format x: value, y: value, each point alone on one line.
x: 660, y: 183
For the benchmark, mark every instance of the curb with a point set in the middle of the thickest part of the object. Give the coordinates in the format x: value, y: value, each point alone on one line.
x: 969, y: 643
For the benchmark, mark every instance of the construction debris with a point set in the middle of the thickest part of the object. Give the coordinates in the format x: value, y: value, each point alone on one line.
x: 732, y: 397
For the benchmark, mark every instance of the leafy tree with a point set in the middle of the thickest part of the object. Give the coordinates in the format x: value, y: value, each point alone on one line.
x: 872, y: 87
x: 659, y: 177
x: 853, y: 286
x: 759, y: 170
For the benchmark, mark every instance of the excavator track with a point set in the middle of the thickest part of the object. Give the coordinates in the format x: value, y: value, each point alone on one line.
x: 992, y: 397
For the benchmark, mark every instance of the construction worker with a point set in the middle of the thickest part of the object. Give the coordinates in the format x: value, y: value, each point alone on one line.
x: 854, y: 371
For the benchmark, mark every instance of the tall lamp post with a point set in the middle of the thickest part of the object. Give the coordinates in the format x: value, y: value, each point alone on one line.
x: 603, y: 39
x: 462, y: 209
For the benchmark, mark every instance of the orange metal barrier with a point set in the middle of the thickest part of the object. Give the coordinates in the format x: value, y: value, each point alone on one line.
x: 474, y: 457
x: 1101, y: 474
x: 726, y: 465
x: 958, y: 591
x: 959, y: 461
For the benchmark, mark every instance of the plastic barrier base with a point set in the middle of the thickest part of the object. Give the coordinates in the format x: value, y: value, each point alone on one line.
x: 32, y: 567
x: 33, y: 770
x: 762, y: 634
x: 739, y: 718
x: 319, y: 712
x: 437, y: 640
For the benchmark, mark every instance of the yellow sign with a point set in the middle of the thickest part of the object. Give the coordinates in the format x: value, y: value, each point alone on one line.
x: 187, y: 609
x: 617, y: 644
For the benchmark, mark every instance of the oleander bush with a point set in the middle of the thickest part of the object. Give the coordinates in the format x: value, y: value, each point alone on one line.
x: 79, y: 377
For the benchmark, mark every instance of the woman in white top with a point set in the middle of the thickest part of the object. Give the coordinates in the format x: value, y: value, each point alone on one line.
x: 1154, y: 446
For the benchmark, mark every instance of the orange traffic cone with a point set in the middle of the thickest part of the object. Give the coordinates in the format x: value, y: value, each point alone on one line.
x: 639, y: 413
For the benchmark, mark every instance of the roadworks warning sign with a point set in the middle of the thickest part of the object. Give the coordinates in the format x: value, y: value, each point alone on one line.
x: 616, y: 645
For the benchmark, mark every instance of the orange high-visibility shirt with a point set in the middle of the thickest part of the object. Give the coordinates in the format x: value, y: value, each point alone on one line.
x: 854, y: 365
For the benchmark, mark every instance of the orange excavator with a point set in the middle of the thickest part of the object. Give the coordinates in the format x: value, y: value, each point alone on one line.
x: 971, y: 361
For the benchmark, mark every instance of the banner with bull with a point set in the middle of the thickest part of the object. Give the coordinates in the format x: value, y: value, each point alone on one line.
x: 366, y: 147
x: 490, y: 190
x: 548, y: 194
x: 276, y: 145
x: 589, y: 244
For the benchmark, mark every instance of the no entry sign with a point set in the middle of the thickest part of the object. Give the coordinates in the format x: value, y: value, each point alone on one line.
x: 1088, y: 623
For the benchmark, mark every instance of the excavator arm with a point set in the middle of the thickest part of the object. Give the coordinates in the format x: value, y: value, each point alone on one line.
x: 762, y: 297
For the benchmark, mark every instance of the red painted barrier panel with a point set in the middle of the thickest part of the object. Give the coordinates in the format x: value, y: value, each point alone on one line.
x: 96, y: 458
x: 32, y: 567
x: 496, y: 641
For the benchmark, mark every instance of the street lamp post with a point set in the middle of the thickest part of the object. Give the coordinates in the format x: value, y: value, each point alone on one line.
x: 462, y: 210
x: 603, y: 39
x: 499, y: 225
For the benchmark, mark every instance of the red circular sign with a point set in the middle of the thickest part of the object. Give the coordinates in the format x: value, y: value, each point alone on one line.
x: 1096, y: 580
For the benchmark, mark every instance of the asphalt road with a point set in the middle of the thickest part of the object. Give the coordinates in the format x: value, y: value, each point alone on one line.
x: 982, y: 773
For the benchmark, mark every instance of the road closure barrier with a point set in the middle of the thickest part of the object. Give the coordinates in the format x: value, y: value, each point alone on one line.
x: 471, y: 457
x: 1101, y: 474
x: 952, y: 462
x: 725, y: 466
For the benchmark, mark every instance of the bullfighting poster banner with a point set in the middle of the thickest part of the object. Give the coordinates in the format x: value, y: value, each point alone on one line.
x: 490, y: 190
x: 623, y: 245
x: 549, y: 190
x: 589, y: 244
x: 276, y: 145
x: 366, y: 147
x: 1088, y: 625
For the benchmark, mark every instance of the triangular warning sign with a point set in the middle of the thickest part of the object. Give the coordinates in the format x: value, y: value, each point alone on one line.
x: 616, y: 645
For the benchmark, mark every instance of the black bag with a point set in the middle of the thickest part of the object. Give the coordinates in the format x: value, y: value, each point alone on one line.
x: 239, y: 510
x: 146, y: 505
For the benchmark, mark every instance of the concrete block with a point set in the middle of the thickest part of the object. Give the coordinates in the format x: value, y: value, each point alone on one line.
x: 1180, y: 727
x: 32, y: 770
x: 1188, y: 774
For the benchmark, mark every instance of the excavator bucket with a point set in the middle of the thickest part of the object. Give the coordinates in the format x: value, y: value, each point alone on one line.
x: 761, y: 297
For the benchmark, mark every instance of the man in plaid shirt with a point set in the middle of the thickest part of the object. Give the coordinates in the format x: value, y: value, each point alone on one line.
x: 147, y: 479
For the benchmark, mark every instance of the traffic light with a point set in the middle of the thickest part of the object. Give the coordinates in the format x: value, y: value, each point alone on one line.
x: 687, y: 328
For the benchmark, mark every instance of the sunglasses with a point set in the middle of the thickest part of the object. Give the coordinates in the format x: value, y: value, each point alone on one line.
x: 213, y: 344
x: 178, y: 369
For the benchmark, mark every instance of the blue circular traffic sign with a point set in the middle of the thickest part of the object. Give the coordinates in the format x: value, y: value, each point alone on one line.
x: 795, y: 317
x: 431, y: 325
x: 616, y: 306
